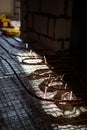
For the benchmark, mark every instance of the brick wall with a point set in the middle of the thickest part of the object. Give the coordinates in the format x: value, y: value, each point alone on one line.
x: 16, y: 7
x: 48, y: 22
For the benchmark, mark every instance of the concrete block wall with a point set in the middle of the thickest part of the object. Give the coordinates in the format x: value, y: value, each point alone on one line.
x: 17, y: 9
x: 47, y: 22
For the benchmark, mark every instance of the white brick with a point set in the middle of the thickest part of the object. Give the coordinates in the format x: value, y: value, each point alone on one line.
x: 33, y: 36
x: 46, y: 42
x: 66, y: 45
x: 17, y: 4
x: 23, y: 23
x: 30, y: 20
x: 40, y: 24
x: 49, y: 44
x: 70, y: 5
x: 51, y: 27
x: 56, y: 45
x: 53, y: 7
x: 24, y: 36
x: 17, y: 10
x: 63, y: 28
x: 33, y: 5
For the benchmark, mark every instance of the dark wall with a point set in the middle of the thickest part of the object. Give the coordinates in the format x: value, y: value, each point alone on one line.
x: 47, y: 22
x: 79, y: 27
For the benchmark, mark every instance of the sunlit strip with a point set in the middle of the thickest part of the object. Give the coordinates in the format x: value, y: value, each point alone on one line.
x: 54, y: 110
x: 68, y: 127
x: 51, y: 108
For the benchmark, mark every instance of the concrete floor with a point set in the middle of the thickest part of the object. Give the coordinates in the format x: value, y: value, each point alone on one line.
x: 22, y: 104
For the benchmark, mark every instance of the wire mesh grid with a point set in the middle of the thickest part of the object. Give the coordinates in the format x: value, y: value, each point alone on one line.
x: 20, y: 110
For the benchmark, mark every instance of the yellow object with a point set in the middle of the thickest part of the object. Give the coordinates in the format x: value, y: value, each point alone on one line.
x: 4, y: 22
x: 7, y: 27
x: 2, y: 16
x: 11, y: 31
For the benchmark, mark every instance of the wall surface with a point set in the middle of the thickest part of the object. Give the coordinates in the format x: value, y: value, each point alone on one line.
x: 10, y: 8
x: 6, y: 6
x: 79, y: 27
x: 47, y: 22
x: 17, y: 9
